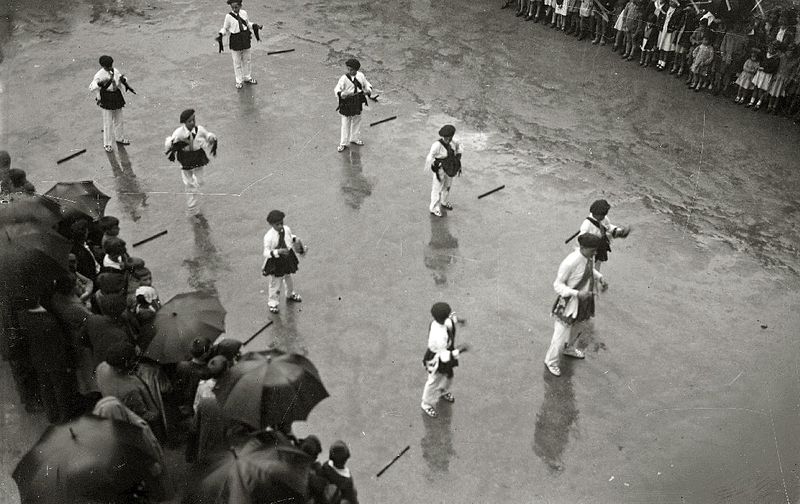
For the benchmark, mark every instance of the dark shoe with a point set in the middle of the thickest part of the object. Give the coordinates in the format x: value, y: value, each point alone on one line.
x: 446, y: 205
x: 449, y: 398
x: 574, y: 353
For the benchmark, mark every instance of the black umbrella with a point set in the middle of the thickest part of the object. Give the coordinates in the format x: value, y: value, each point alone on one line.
x: 81, y: 197
x: 20, y: 207
x: 182, y: 319
x: 90, y: 458
x: 272, y: 390
x: 251, y: 474
x: 31, y: 257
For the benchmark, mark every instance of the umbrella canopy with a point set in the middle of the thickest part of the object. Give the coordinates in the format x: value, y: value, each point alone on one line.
x: 81, y: 197
x: 31, y: 257
x: 182, y: 319
x: 271, y: 390
x: 253, y: 473
x: 90, y: 458
x: 19, y: 207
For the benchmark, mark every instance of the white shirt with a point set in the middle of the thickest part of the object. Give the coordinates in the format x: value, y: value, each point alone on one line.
x: 271, y: 241
x: 439, y: 152
x: 110, y: 263
x: 102, y: 76
x: 197, y: 138
x: 231, y: 24
x: 588, y: 227
x: 205, y: 390
x: 347, y: 88
x: 569, y: 274
x: 437, y: 339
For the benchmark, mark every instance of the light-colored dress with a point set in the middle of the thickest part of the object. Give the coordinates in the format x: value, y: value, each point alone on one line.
x: 745, y: 80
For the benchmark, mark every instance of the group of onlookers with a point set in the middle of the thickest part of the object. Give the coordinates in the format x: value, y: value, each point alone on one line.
x: 755, y: 59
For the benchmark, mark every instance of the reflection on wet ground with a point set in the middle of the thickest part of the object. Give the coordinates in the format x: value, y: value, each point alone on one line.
x: 437, y: 444
x: 284, y: 334
x: 355, y: 186
x: 557, y: 416
x: 206, y: 264
x: 129, y: 191
x: 441, y: 250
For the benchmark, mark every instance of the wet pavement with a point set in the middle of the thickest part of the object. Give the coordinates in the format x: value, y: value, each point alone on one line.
x: 689, y: 389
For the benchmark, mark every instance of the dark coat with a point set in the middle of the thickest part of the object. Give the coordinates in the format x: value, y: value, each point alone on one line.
x: 48, y: 344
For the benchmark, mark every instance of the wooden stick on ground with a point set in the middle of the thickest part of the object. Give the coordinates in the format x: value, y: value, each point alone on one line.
x: 76, y: 154
x: 157, y: 235
x: 251, y: 338
x: 393, y: 461
x: 383, y: 121
x: 492, y: 191
x: 270, y: 53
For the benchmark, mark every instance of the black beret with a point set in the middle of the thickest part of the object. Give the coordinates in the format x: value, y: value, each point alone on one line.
x: 440, y: 312
x: 589, y: 240
x: 234, y: 1
x: 275, y: 216
x: 186, y: 115
x: 447, y: 130
x: 353, y: 63
x: 600, y: 207
x: 106, y: 61
x: 228, y: 348
x: 121, y: 355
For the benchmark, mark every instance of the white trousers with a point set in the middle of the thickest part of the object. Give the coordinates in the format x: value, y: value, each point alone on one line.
x: 113, y: 129
x: 440, y: 191
x: 241, y: 65
x: 437, y: 385
x: 351, y: 129
x: 275, y: 288
x: 564, y: 336
x: 192, y: 180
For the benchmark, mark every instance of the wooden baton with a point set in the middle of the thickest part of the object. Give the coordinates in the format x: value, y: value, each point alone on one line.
x: 573, y: 236
x: 270, y: 53
x: 251, y: 338
x: 393, y: 461
x: 382, y: 121
x: 157, y: 235
x: 492, y: 191
x: 76, y: 154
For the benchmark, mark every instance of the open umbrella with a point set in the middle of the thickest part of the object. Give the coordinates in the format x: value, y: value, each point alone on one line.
x: 19, y: 207
x: 182, y: 319
x: 253, y: 473
x: 271, y: 391
x: 31, y: 257
x: 90, y: 458
x: 83, y: 197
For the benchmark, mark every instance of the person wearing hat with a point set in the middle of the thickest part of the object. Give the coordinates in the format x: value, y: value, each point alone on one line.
x: 239, y: 28
x: 280, y: 260
x: 107, y: 88
x: 188, y: 142
x: 117, y: 377
x: 444, y: 160
x: 351, y: 90
x: 340, y: 482
x: 189, y: 373
x: 440, y: 358
x: 597, y: 224
x: 575, y: 286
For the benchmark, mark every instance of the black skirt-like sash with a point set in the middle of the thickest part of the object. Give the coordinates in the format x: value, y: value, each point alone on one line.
x: 192, y: 159
x: 111, y: 100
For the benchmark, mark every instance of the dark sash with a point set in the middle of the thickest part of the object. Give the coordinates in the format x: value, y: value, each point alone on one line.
x: 240, y: 41
x: 602, y: 252
x: 192, y: 159
x: 451, y: 164
x: 352, y: 105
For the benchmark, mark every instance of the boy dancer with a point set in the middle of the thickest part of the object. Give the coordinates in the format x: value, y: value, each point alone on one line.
x: 238, y: 25
x: 280, y: 260
x: 574, y: 285
x: 598, y: 224
x: 351, y: 90
x: 106, y: 86
x: 444, y: 160
x: 187, y: 142
x: 440, y: 358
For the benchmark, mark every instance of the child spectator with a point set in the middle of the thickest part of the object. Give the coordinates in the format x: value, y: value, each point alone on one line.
x: 780, y: 81
x: 694, y: 42
x: 702, y: 59
x: 602, y: 11
x: 731, y: 50
x: 585, y: 19
x: 669, y: 25
x: 763, y: 77
x: 619, y: 21
x: 109, y: 226
x: 649, y: 36
x: 633, y: 15
x: 686, y: 25
x: 745, y: 80
x: 786, y: 32
x: 338, y: 474
x: 717, y: 32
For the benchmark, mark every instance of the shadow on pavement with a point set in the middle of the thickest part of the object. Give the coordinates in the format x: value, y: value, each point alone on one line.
x: 440, y: 252
x: 556, y: 416
x: 437, y: 444
x: 355, y: 186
